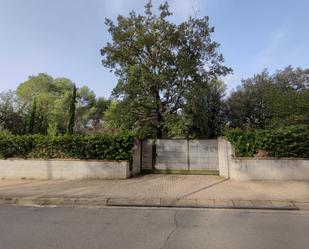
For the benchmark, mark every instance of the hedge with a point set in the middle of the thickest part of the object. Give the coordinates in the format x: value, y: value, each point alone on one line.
x: 99, y: 147
x: 292, y: 141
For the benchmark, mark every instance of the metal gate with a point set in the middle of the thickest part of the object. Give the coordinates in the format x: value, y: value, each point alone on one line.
x: 183, y: 156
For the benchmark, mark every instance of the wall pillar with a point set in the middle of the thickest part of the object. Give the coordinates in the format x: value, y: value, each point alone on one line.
x: 136, y: 154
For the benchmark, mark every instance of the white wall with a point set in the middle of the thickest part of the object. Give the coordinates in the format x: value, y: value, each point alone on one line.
x: 63, y: 169
x: 243, y: 169
x: 269, y: 169
x: 136, y: 164
x: 225, y: 153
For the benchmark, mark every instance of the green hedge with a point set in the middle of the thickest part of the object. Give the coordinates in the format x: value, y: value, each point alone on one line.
x: 290, y: 141
x: 100, y: 147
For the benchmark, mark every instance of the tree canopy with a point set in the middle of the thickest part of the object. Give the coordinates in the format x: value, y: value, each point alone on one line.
x: 159, y: 65
x: 44, y: 105
x: 265, y: 100
x: 169, y: 84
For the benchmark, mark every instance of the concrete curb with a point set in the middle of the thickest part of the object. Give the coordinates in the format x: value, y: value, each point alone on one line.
x: 210, y: 203
x: 54, y: 201
x: 154, y: 202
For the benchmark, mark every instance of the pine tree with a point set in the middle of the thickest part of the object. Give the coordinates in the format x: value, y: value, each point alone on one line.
x: 72, y: 112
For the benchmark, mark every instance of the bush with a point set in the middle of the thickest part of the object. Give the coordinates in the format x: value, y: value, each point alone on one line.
x: 292, y: 141
x: 101, y: 147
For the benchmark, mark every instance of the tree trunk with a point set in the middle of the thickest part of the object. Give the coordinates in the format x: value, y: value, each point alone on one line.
x: 159, y: 115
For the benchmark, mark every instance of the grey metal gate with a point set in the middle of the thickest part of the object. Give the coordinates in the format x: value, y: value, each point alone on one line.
x: 180, y: 155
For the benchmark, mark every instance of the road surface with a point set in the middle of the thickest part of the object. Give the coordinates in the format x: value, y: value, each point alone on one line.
x: 151, y: 228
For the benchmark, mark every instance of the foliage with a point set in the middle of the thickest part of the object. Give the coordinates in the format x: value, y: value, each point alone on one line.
x: 36, y: 98
x: 265, y: 100
x: 41, y: 105
x: 114, y: 116
x: 52, y: 129
x: 159, y: 64
x: 97, y: 114
x: 292, y: 141
x: 205, y: 110
x: 288, y: 107
x: 72, y: 111
x: 101, y: 147
x: 247, y: 105
x: 117, y: 118
x: 12, y: 117
x: 90, y: 111
x: 32, y: 116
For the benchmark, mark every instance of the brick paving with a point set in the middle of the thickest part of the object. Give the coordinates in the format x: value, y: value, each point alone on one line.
x: 160, y: 190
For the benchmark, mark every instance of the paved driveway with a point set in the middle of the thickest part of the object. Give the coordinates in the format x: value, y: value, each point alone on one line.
x: 161, y: 186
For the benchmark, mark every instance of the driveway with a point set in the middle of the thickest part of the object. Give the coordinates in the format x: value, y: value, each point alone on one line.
x: 161, y: 186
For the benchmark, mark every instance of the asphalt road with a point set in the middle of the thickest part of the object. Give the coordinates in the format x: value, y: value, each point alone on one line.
x: 141, y: 228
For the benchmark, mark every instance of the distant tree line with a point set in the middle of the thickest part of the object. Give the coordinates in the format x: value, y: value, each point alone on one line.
x: 265, y: 100
x: 169, y: 85
x: 44, y: 105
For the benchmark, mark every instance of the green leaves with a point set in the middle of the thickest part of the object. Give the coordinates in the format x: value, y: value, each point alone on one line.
x: 159, y: 65
x: 292, y: 141
x: 265, y: 100
x: 44, y: 105
x: 100, y: 147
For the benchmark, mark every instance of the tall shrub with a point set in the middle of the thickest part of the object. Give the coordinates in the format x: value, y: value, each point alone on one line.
x: 99, y: 147
x: 292, y: 141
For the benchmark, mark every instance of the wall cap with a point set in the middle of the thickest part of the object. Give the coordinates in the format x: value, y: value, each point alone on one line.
x: 270, y: 158
x: 63, y: 159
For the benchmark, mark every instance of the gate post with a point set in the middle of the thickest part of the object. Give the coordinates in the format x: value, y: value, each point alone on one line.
x: 137, y: 158
x: 188, y: 154
x: 154, y: 154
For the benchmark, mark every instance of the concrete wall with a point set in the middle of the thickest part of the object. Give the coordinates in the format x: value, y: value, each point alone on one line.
x: 243, y: 169
x: 136, y: 165
x: 269, y: 169
x: 225, y: 153
x: 63, y: 169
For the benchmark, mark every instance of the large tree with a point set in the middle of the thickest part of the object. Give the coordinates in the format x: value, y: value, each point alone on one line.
x: 271, y: 100
x: 247, y: 106
x: 288, y: 102
x: 46, y: 104
x: 52, y: 100
x: 159, y: 64
x: 206, y: 110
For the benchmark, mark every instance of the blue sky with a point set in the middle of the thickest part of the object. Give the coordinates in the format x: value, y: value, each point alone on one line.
x: 63, y: 37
